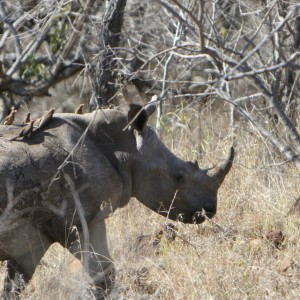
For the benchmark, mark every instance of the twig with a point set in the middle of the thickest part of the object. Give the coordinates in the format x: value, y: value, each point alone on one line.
x: 188, y: 242
x: 247, y: 98
x: 286, y: 64
x: 29, y: 50
x: 81, y: 214
x: 171, y: 205
x: 195, y: 20
x: 283, y: 148
x: 165, y: 75
x: 259, y: 84
x: 190, y: 95
x: 162, y: 53
x: 259, y: 27
x: 19, y: 22
x: 71, y: 40
x: 11, y: 27
x: 278, y: 27
x: 66, y: 161
x: 203, y: 214
x: 169, y: 7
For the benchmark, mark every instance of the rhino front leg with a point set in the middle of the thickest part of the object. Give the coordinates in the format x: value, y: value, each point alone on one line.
x: 101, y: 267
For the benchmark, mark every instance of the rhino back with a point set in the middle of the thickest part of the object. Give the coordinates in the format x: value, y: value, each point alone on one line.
x: 32, y: 177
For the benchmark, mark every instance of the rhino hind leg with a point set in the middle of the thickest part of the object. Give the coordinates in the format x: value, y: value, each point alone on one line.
x: 101, y: 267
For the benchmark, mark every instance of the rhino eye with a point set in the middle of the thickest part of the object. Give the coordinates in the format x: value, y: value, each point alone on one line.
x: 179, y: 178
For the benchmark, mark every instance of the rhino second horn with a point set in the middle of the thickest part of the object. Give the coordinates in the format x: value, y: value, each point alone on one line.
x: 219, y: 172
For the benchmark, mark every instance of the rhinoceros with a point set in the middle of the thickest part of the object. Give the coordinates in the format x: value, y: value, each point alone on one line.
x: 78, y: 170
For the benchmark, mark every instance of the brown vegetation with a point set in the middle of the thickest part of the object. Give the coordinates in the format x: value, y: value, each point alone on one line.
x: 225, y: 258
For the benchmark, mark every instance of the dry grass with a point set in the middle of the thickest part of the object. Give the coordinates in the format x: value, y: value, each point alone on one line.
x: 228, y: 258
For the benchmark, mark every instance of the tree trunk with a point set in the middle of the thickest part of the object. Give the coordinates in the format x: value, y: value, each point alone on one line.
x: 103, y: 76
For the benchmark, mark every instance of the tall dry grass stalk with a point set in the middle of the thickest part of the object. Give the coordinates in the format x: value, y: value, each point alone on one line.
x: 230, y: 257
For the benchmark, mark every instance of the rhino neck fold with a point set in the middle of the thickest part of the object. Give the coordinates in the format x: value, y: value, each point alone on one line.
x: 124, y: 172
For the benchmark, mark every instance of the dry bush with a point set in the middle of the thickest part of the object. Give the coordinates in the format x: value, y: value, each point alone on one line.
x: 229, y: 257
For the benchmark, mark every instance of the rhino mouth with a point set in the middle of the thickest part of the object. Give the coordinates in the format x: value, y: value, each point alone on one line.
x: 201, y: 216
x: 197, y: 218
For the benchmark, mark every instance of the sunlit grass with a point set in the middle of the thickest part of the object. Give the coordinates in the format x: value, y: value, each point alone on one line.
x: 226, y: 258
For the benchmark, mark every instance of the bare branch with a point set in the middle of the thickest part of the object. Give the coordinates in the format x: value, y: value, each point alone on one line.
x: 77, y: 27
x: 19, y: 22
x: 197, y: 21
x: 170, y: 8
x: 31, y: 48
x: 66, y: 161
x: 287, y: 64
x: 259, y: 45
x: 27, y: 89
x: 81, y: 214
x: 13, y: 31
x: 280, y: 145
x: 165, y: 75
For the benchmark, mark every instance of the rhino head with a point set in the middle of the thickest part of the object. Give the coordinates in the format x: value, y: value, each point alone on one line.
x: 169, y: 185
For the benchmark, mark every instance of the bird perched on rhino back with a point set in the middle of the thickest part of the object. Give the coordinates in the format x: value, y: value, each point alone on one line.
x: 25, y: 132
x: 79, y: 109
x: 27, y: 119
x: 46, y: 117
x: 9, y: 120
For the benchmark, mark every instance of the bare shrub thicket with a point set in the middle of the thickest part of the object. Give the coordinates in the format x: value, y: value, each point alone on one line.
x: 243, y: 56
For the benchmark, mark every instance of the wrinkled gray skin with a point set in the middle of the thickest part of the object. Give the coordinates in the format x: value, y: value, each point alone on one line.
x: 108, y: 167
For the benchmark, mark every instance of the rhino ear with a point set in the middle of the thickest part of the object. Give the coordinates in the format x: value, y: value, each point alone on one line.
x: 194, y: 165
x: 139, y: 116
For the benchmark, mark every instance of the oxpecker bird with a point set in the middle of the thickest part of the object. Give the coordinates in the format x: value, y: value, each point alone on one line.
x: 46, y: 117
x: 27, y: 119
x: 79, y: 109
x: 25, y: 132
x: 9, y: 120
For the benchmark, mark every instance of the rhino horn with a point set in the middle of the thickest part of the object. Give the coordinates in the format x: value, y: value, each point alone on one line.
x: 219, y: 172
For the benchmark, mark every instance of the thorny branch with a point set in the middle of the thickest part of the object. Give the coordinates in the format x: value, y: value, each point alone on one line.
x: 85, y: 230
x: 30, y: 49
x: 58, y: 66
x: 177, y: 15
x: 249, y: 45
x: 282, y: 147
x: 260, y: 44
x: 71, y: 153
x: 165, y: 76
x: 11, y: 27
x: 77, y: 27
